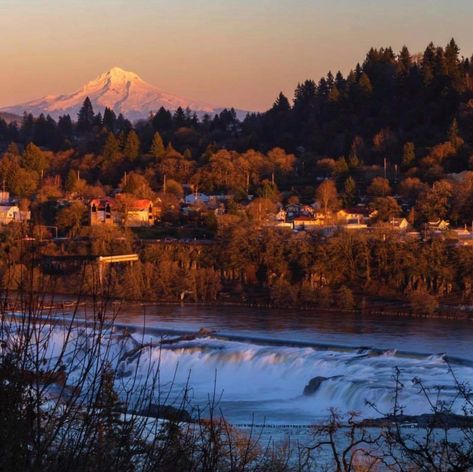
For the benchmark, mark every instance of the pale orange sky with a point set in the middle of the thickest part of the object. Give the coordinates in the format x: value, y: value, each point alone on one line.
x: 239, y: 53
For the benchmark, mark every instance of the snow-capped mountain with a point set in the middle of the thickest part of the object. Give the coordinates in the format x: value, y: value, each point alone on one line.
x: 124, y: 92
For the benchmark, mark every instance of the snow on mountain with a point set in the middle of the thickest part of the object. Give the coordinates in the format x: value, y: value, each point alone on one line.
x: 123, y: 91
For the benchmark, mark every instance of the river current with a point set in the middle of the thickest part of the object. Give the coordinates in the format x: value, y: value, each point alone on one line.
x: 258, y: 362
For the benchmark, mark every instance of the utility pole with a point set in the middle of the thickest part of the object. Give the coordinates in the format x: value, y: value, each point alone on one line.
x: 385, y: 165
x: 164, y: 183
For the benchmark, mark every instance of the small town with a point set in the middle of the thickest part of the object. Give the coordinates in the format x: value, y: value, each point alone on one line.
x: 236, y: 236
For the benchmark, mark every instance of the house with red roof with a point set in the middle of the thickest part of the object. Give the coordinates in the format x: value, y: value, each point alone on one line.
x: 123, y: 210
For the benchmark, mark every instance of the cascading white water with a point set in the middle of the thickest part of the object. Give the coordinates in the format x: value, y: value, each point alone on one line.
x: 268, y: 381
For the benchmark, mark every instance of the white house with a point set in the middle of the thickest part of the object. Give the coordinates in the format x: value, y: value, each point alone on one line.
x: 9, y: 213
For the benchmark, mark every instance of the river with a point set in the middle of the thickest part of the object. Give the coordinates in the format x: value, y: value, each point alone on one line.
x: 260, y: 360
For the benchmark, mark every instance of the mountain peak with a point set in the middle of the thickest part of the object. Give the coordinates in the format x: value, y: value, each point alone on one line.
x: 118, y: 89
x: 117, y: 74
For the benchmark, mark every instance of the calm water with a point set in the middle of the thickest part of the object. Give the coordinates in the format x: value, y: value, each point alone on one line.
x: 423, y: 336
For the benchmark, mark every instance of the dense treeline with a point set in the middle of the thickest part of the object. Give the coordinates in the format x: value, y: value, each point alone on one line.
x: 387, y: 101
x: 267, y: 267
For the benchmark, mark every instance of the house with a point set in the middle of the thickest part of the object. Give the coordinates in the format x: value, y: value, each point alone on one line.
x: 438, y: 225
x: 9, y: 214
x: 139, y: 212
x: 293, y: 210
x: 104, y: 211
x: 359, y: 215
x: 281, y: 215
x: 307, y: 222
x: 194, y: 198
x: 126, y: 210
x: 307, y: 210
x: 400, y: 224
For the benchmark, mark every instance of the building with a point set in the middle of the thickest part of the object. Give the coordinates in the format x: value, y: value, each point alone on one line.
x: 9, y: 214
x: 103, y: 211
x: 400, y: 224
x: 357, y: 215
x: 438, y: 225
x: 139, y: 213
x: 124, y: 210
x: 194, y: 198
x: 307, y: 223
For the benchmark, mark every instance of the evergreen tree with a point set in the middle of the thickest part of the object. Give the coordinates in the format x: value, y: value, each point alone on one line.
x: 98, y: 120
x: 179, y: 118
x: 454, y: 134
x: 404, y: 61
x: 162, y: 121
x: 408, y: 155
x: 71, y: 180
x: 428, y: 63
x: 364, y: 85
x: 281, y: 104
x: 157, y: 146
x: 65, y: 125
x: 451, y: 58
x: 27, y: 127
x: 131, y: 149
x: 109, y: 119
x: 85, y: 117
x: 349, y: 191
x: 111, y: 149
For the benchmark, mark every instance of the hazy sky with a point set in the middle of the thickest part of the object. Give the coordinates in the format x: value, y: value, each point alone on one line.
x: 228, y: 52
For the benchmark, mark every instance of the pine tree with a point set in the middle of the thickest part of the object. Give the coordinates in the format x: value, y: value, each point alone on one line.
x: 408, y: 155
x: 179, y: 118
x: 349, y: 190
x: 85, y: 117
x: 157, y: 146
x: 364, y: 84
x: 109, y: 119
x: 111, y: 149
x: 162, y: 121
x: 65, y: 125
x: 404, y: 61
x: 281, y: 104
x: 334, y: 94
x: 454, y: 134
x: 71, y: 180
x: 428, y: 62
x: 451, y: 58
x: 131, y: 149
